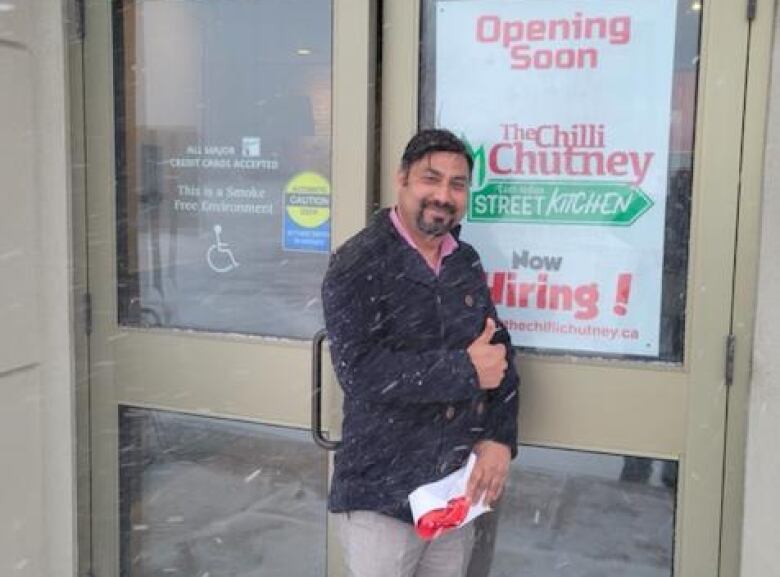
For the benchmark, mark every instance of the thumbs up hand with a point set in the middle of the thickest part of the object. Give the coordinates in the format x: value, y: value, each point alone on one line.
x: 487, y: 333
x: 488, y: 360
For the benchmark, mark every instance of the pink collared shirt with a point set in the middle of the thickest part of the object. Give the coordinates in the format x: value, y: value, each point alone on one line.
x: 448, y: 243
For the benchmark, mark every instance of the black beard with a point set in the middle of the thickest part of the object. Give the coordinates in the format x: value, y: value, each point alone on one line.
x: 440, y: 226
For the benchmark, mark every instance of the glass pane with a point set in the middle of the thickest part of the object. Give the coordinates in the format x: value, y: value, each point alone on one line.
x: 223, y: 118
x: 581, y: 116
x: 206, y: 496
x: 582, y: 514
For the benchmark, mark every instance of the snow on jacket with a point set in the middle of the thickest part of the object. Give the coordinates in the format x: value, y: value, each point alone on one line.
x: 398, y: 335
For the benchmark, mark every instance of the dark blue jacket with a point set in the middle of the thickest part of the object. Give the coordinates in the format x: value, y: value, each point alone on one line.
x: 398, y: 337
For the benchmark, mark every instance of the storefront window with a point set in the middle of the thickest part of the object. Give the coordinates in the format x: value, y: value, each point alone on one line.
x: 585, y: 514
x: 207, y: 496
x: 223, y: 120
x: 581, y: 118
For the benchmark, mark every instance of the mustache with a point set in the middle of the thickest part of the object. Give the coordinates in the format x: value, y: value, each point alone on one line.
x: 447, y: 206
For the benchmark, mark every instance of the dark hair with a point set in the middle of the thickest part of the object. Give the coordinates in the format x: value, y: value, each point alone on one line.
x: 434, y: 140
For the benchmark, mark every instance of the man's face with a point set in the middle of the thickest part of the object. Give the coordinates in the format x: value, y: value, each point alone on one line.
x: 432, y: 194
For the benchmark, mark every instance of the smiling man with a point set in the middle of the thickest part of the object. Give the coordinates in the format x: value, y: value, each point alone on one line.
x: 425, y: 365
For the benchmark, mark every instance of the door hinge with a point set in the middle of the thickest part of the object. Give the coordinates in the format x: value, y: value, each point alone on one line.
x: 88, y: 313
x: 752, y: 7
x: 731, y: 343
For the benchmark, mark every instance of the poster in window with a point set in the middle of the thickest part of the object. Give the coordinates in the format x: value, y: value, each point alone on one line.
x: 566, y: 106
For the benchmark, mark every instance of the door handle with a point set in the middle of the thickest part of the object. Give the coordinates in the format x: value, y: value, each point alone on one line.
x: 316, y: 393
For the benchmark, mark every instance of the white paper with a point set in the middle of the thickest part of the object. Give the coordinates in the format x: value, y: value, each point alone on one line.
x: 436, y: 495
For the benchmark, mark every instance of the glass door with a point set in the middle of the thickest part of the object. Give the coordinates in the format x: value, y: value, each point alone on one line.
x: 603, y: 204
x: 222, y: 167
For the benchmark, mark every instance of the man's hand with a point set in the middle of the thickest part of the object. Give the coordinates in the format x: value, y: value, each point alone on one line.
x: 489, y: 360
x: 490, y: 471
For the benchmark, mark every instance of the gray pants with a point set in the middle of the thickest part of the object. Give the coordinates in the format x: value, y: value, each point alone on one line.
x: 484, y: 543
x: 376, y: 545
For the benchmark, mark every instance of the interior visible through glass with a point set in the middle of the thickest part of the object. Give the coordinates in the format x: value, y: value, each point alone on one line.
x: 578, y: 514
x: 206, y: 496
x: 557, y: 263
x: 223, y: 123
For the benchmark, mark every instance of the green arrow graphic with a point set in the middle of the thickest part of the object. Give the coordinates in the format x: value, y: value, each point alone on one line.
x: 558, y: 202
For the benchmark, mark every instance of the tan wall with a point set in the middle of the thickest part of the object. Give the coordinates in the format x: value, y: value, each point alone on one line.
x: 21, y: 508
x: 36, y: 448
x: 761, y: 554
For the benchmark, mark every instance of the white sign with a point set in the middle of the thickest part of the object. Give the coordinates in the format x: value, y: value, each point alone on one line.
x: 567, y: 106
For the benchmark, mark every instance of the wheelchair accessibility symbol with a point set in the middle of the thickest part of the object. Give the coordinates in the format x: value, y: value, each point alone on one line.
x: 219, y: 256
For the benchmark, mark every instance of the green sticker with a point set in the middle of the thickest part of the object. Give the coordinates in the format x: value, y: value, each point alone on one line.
x: 558, y: 202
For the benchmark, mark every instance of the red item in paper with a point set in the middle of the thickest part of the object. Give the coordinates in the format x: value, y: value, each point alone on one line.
x: 439, y: 521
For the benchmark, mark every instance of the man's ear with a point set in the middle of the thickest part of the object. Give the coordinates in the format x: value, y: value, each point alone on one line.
x: 401, y: 182
x: 401, y: 178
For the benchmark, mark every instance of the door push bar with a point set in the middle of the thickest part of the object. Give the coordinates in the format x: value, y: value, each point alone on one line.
x: 316, y: 393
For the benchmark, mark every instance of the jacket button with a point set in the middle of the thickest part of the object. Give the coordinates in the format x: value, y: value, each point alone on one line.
x: 480, y: 407
x: 449, y: 413
x: 442, y: 467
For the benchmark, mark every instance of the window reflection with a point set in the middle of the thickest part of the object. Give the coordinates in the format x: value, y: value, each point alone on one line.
x: 223, y: 116
x: 582, y: 514
x: 210, y: 496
